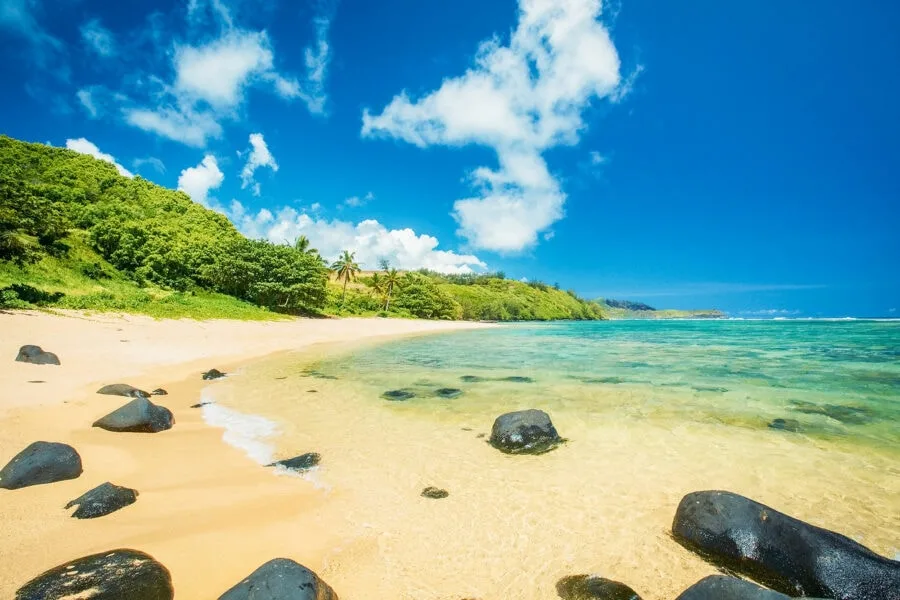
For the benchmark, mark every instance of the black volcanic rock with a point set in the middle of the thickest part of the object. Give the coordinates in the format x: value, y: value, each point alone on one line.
x: 213, y: 374
x: 281, y: 579
x: 524, y: 432
x: 113, y: 575
x: 435, y: 493
x: 591, y: 587
x: 448, y: 393
x: 518, y: 379
x: 123, y: 389
x: 782, y: 552
x: 36, y: 356
x: 303, y: 462
x: 39, y: 463
x: 398, y: 395
x: 102, y: 500
x: 159, y: 392
x: 138, y: 416
x: 722, y: 587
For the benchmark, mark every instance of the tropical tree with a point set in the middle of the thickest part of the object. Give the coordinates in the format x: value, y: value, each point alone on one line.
x: 389, y: 281
x: 345, y: 269
x: 302, y: 245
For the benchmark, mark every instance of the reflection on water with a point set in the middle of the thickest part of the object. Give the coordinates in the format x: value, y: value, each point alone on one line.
x: 801, y: 416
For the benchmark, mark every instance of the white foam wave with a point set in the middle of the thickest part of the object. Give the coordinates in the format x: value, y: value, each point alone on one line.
x: 246, y: 432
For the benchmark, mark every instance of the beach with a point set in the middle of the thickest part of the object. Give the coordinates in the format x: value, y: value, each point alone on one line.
x: 512, y: 526
x: 205, y: 510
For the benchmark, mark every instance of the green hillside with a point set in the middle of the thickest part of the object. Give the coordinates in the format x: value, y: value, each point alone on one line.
x: 76, y: 234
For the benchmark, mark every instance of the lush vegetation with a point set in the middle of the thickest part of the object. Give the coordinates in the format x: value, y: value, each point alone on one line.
x: 623, y: 309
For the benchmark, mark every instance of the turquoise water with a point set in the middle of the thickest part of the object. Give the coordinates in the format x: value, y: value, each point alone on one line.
x: 825, y: 379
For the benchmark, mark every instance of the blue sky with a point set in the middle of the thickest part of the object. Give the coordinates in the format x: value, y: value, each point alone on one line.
x: 697, y: 154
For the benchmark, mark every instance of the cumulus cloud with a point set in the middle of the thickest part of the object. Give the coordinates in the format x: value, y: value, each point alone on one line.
x: 98, y: 38
x: 197, y: 181
x: 371, y: 240
x: 184, y: 124
x: 519, y: 99
x: 259, y: 156
x: 85, y: 146
x: 356, y: 201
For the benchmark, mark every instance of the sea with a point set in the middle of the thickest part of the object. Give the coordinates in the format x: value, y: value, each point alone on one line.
x: 802, y: 415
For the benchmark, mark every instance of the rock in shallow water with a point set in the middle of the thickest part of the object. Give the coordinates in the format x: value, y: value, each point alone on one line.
x: 41, y: 462
x: 398, y: 395
x: 159, y: 392
x: 472, y: 379
x: 721, y: 587
x: 213, y: 374
x: 435, y: 493
x: 114, y: 575
x: 281, y: 579
x: 138, y: 416
x: 518, y: 379
x: 524, y: 432
x: 303, y: 462
x: 792, y: 425
x: 102, y: 500
x: 36, y: 356
x: 591, y: 587
x: 123, y: 389
x: 448, y: 393
x: 781, y: 552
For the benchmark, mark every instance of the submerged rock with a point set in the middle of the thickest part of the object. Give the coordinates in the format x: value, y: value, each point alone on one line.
x: 138, y: 416
x: 524, y: 432
x: 281, y: 579
x: 113, y: 575
x: 436, y: 493
x: 592, y: 587
x: 102, y: 500
x: 849, y: 415
x: 318, y: 374
x: 781, y: 552
x: 36, y: 356
x: 213, y: 374
x: 472, y: 379
x: 518, y: 379
x: 398, y: 395
x: 721, y: 587
x: 303, y: 462
x: 448, y: 393
x: 159, y: 392
x: 792, y: 425
x: 123, y: 389
x: 39, y: 463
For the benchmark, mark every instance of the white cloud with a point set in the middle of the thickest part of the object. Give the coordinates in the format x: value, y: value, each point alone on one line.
x: 198, y: 9
x: 519, y: 99
x: 156, y: 164
x: 356, y: 201
x: 597, y: 158
x: 371, y: 240
x: 197, y: 181
x: 87, y: 101
x: 181, y: 125
x: 626, y: 86
x: 259, y: 157
x: 85, y: 146
x: 19, y: 16
x: 98, y: 38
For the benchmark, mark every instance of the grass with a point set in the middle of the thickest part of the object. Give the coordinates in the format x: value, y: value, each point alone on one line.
x: 87, y: 282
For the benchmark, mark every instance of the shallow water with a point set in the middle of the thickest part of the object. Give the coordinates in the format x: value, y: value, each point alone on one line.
x: 652, y: 410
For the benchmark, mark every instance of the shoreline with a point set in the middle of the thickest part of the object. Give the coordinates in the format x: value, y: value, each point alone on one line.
x: 196, y: 490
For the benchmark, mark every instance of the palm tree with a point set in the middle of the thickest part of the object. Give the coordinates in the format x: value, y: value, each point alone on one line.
x: 390, y: 280
x: 302, y: 245
x: 346, y: 269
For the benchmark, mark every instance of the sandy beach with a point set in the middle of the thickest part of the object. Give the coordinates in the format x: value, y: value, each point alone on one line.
x: 205, y: 510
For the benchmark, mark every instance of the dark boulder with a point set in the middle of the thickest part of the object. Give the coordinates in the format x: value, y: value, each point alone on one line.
x: 41, y: 462
x: 113, y: 575
x: 102, y: 500
x: 36, y: 356
x: 398, y: 395
x: 448, y: 393
x: 123, y: 389
x: 435, y: 493
x: 159, y: 392
x: 591, y: 587
x: 792, y: 425
x: 849, y: 415
x: 281, y: 579
x: 201, y: 404
x: 138, y: 416
x: 721, y: 587
x: 213, y: 374
x: 524, y: 432
x: 781, y: 552
x: 518, y: 379
x: 303, y: 462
